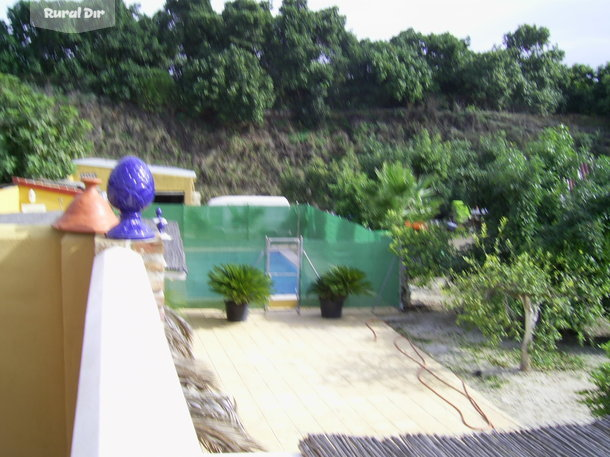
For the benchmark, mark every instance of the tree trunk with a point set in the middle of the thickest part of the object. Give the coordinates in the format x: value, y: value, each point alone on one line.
x: 405, y: 288
x: 531, y: 318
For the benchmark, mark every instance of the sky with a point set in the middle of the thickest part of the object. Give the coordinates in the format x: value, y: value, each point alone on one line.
x: 581, y: 28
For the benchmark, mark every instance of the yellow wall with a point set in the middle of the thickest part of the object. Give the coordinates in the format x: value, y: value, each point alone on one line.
x: 9, y: 200
x: 176, y: 184
x: 163, y: 183
x: 54, y: 201
x: 44, y: 284
x: 77, y: 253
x: 102, y: 173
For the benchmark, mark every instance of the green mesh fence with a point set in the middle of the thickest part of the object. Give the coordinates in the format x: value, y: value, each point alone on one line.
x: 215, y: 235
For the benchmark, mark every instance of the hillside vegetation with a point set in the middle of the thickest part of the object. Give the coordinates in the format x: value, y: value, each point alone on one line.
x: 253, y: 159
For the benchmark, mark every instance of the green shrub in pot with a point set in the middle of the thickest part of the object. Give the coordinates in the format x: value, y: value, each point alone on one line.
x: 240, y: 285
x: 334, y: 286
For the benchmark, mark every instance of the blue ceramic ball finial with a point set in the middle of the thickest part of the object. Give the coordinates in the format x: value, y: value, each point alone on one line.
x: 131, y: 188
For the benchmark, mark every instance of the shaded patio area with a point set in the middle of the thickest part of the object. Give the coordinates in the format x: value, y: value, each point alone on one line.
x: 294, y: 375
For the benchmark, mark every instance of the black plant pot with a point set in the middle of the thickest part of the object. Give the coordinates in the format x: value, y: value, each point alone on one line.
x: 235, y: 312
x: 332, y: 307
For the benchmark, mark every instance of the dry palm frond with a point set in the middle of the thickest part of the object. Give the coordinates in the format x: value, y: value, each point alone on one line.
x: 214, y: 405
x: 214, y: 414
x: 220, y: 436
x: 179, y: 334
x: 193, y: 373
x: 216, y: 422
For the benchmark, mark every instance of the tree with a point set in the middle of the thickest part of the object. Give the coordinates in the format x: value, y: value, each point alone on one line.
x: 230, y: 85
x: 448, y: 57
x: 491, y: 79
x: 196, y: 27
x: 543, y: 74
x: 580, y: 90
x: 528, y: 40
x: 401, y: 74
x: 424, y: 254
x: 39, y: 136
x: 9, y: 62
x: 247, y: 24
x: 602, y: 90
x: 385, y: 74
x: 523, y: 296
x: 526, y: 187
x: 301, y: 58
x: 156, y: 90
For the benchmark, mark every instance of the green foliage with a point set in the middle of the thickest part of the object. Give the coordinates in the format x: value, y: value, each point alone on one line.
x: 598, y: 400
x: 350, y: 190
x: 397, y: 73
x: 539, y: 90
x: 602, y: 90
x: 491, y: 79
x: 241, y: 284
x: 39, y: 136
x: 527, y: 187
x: 157, y: 90
x: 313, y: 61
x: 460, y: 211
x: 448, y: 57
x: 524, y: 296
x: 113, y: 62
x: 530, y: 188
x: 391, y: 196
x: 341, y: 281
x: 425, y: 253
x: 488, y: 296
x: 581, y: 84
x: 230, y: 85
x: 247, y: 24
x: 301, y: 58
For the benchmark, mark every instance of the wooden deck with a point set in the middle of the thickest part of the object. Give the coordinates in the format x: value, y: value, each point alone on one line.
x: 295, y: 375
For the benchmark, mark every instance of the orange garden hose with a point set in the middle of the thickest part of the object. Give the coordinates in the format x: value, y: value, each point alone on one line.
x: 423, y: 367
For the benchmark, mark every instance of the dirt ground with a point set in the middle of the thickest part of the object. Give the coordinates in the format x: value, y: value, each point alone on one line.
x: 541, y: 397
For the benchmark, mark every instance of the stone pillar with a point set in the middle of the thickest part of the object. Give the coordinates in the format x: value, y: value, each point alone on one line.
x: 154, y: 262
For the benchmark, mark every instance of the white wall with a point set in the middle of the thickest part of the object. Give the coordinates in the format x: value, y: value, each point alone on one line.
x: 130, y: 402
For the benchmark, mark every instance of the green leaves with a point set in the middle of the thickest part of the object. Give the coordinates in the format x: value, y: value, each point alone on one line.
x: 39, y: 136
x: 341, y: 281
x: 598, y: 400
x: 230, y: 85
x: 241, y: 284
x: 493, y: 294
x: 425, y: 253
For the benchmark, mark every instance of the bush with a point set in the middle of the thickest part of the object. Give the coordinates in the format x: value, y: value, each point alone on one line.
x: 425, y: 253
x: 460, y: 211
x: 230, y: 85
x: 598, y: 400
x: 526, y: 296
x: 156, y: 90
x: 39, y: 136
x: 240, y: 284
x: 341, y: 281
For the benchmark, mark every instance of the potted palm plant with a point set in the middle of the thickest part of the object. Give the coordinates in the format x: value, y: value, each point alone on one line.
x: 334, y: 286
x: 240, y: 285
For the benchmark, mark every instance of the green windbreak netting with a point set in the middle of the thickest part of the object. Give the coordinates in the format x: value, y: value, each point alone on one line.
x: 215, y: 235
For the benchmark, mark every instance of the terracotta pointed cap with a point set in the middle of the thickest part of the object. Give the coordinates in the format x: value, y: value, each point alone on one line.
x: 88, y: 212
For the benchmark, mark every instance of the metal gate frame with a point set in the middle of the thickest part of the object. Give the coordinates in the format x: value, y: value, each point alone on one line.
x: 298, y: 241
